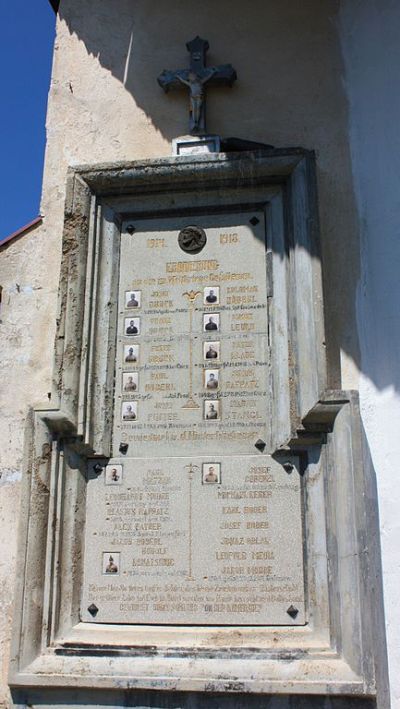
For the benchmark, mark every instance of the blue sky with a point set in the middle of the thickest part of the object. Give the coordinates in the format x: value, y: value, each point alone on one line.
x: 27, y: 35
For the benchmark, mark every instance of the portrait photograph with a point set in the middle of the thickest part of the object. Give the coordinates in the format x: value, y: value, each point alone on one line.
x: 212, y: 410
x: 211, y: 350
x: 133, y: 298
x: 129, y: 411
x: 211, y: 473
x: 211, y: 295
x: 130, y: 382
x: 211, y: 379
x: 132, y: 326
x: 131, y: 353
x: 110, y: 562
x: 211, y: 322
x: 113, y: 474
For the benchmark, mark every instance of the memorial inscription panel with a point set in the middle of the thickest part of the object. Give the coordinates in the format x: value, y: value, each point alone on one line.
x: 193, y: 331
x: 195, y: 540
x: 187, y: 524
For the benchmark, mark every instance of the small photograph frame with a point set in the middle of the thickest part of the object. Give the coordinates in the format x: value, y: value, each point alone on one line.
x: 133, y: 298
x: 131, y: 353
x: 212, y: 350
x: 110, y: 563
x: 132, y: 327
x: 211, y: 379
x: 130, y: 382
x: 211, y: 322
x: 113, y: 474
x: 129, y: 411
x: 212, y: 409
x: 211, y: 295
x: 211, y: 474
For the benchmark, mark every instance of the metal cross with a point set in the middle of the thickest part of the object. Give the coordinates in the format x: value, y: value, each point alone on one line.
x: 195, y: 79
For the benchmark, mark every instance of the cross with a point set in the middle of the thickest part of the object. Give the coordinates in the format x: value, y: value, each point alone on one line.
x: 195, y: 78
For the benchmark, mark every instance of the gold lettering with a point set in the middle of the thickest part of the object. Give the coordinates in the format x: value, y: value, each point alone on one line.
x: 233, y: 570
x: 259, y: 570
x: 159, y: 387
x: 262, y: 555
x: 188, y: 266
x: 231, y: 525
x: 230, y: 555
x: 153, y: 562
x: 163, y: 417
x: 255, y: 510
x: 231, y: 510
x: 243, y: 327
x: 155, y: 243
x: 227, y: 239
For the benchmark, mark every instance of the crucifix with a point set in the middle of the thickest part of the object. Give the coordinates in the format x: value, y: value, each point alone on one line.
x: 195, y: 79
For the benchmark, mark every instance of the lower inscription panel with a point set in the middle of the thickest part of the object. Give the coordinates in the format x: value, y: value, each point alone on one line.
x: 211, y: 541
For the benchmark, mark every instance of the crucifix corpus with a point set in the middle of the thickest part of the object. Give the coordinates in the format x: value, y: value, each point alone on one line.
x: 195, y: 79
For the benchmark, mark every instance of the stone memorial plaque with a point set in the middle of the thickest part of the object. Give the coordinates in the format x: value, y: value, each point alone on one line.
x: 192, y: 370
x: 213, y: 536
x: 200, y: 540
x: 159, y: 494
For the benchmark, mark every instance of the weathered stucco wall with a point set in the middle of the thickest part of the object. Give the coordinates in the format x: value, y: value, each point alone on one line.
x: 28, y: 271
x: 369, y: 32
x: 106, y: 105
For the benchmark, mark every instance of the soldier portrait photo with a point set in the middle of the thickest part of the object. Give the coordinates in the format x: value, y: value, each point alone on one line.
x: 211, y: 350
x: 111, y: 562
x: 130, y: 382
x: 113, y: 474
x: 129, y: 411
x: 211, y: 409
x: 211, y: 473
x: 211, y: 322
x: 211, y: 379
x: 133, y: 298
x: 131, y: 353
x: 211, y: 295
x: 132, y: 326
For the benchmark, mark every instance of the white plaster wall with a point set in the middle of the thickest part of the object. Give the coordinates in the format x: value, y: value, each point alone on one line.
x: 370, y: 31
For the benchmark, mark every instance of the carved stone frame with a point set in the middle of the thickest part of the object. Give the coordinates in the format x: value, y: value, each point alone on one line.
x: 333, y: 654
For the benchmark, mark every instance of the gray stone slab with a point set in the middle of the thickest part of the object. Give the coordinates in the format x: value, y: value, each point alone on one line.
x: 195, y: 540
x: 193, y: 364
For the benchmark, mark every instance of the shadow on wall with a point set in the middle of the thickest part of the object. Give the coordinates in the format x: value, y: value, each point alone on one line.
x: 147, y: 36
x: 140, y: 41
x: 183, y: 700
x: 297, y: 73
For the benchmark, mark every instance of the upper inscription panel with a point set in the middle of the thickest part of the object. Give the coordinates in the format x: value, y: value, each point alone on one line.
x: 192, y: 368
